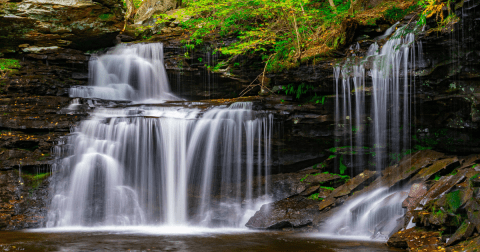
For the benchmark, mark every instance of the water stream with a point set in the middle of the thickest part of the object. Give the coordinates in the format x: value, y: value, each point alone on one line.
x: 158, y: 165
x: 127, y: 72
x: 189, y: 166
x: 376, y: 117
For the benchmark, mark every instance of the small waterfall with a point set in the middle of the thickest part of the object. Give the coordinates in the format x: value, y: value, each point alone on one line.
x: 173, y: 166
x: 372, y: 215
x: 376, y: 117
x: 127, y: 72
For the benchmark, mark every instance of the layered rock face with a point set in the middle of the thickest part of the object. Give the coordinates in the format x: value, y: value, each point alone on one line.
x: 32, y: 122
x: 49, y: 40
x: 50, y: 24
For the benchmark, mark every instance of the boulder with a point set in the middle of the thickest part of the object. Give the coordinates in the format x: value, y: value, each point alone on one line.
x: 415, y: 240
x: 462, y: 233
x: 468, y: 245
x: 292, y: 212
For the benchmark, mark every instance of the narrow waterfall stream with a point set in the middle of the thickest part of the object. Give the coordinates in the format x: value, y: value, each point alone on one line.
x: 158, y: 165
x: 376, y: 116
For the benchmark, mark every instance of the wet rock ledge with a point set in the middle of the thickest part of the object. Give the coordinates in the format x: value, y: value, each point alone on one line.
x: 49, y: 40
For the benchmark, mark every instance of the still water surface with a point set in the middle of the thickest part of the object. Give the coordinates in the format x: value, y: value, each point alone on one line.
x: 171, y: 239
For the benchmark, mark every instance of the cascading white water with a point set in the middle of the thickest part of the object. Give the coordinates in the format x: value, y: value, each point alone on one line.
x: 389, y: 117
x: 389, y: 120
x: 372, y: 215
x: 151, y: 166
x: 128, y: 72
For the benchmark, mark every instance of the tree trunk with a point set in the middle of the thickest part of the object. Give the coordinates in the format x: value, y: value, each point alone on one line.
x: 130, y: 10
x: 333, y: 5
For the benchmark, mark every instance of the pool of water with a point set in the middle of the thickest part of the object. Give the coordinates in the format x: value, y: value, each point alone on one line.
x: 175, y: 239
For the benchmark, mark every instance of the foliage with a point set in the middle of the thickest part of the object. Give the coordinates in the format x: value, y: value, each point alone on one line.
x: 297, y: 91
x: 453, y: 201
x: 315, y: 197
x: 318, y: 99
x: 394, y: 13
x: 302, y: 179
x: 345, y: 178
x: 34, y: 180
x: 106, y: 16
x: 434, y: 7
x: 342, y: 167
x: 8, y: 66
x: 327, y: 188
x: 136, y: 3
x: 283, y: 29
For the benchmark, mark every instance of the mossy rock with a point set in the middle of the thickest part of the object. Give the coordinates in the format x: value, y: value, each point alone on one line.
x: 462, y: 233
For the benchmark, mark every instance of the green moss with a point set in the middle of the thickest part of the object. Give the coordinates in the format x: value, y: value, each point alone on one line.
x: 454, y: 172
x: 394, y: 14
x: 411, y: 169
x: 342, y: 167
x: 306, y: 176
x: 454, y: 201
x: 439, y: 214
x: 9, y: 65
x: 463, y: 228
x: 327, y: 188
x: 105, y: 16
x: 345, y: 178
x: 315, y: 197
x: 474, y: 176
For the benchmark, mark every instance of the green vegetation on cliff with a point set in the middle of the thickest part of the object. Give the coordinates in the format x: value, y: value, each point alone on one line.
x: 8, y: 66
x: 284, y: 32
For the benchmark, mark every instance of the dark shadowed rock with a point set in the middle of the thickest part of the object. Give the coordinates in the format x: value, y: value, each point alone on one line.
x: 22, y: 204
x: 321, y: 178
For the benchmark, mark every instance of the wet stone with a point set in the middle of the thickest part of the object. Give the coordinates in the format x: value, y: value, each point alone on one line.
x: 293, y: 212
x: 310, y: 190
x: 463, y: 232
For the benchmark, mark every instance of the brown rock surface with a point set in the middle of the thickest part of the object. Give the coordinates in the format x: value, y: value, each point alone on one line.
x: 56, y: 23
x: 416, y: 240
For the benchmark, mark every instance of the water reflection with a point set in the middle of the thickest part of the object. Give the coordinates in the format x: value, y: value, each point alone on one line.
x: 112, y: 240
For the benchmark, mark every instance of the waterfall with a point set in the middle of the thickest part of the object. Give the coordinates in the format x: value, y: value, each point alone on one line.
x: 374, y: 117
x: 127, y: 72
x: 163, y: 166
x: 157, y: 165
x: 373, y: 215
